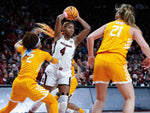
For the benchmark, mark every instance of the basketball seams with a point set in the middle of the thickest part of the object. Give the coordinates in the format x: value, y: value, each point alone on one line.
x: 72, y: 12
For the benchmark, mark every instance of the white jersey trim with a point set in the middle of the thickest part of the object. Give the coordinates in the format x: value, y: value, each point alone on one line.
x: 43, y: 97
x: 14, y: 101
x: 96, y: 82
x: 124, y: 82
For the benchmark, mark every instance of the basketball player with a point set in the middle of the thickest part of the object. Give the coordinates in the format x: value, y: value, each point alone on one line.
x: 63, y: 49
x: 25, y: 84
x: 110, y: 62
x: 73, y: 86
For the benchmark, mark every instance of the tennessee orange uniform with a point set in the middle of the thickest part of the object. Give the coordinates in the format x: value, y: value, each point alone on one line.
x: 25, y: 84
x: 74, y: 82
x: 111, y: 56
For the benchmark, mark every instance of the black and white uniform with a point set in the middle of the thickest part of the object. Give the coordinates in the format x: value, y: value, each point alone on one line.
x: 63, y: 50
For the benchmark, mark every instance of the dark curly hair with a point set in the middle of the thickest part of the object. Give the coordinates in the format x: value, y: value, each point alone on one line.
x: 30, y: 40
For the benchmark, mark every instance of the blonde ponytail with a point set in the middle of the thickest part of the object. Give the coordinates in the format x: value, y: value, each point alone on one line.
x: 126, y: 13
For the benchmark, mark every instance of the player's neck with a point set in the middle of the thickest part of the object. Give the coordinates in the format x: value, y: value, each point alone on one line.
x: 67, y: 38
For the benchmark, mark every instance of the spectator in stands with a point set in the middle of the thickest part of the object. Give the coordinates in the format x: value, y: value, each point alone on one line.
x: 15, y: 70
x: 11, y: 39
x: 23, y: 17
x: 11, y: 78
x: 9, y: 68
x: 4, y: 80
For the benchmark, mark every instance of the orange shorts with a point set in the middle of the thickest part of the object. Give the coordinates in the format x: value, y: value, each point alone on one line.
x: 26, y: 87
x: 110, y: 66
x: 74, y: 84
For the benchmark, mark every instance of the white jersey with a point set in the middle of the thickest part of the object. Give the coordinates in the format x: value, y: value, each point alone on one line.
x: 64, y: 50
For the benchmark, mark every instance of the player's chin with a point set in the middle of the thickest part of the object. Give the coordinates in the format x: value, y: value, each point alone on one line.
x: 71, y: 34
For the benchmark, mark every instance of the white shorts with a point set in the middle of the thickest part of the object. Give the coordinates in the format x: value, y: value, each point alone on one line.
x: 55, y: 75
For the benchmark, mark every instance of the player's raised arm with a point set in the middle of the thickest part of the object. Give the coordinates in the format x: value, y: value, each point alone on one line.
x: 58, y: 27
x: 17, y: 44
x: 82, y: 35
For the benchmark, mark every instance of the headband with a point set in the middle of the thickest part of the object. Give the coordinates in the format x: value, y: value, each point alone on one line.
x: 28, y: 51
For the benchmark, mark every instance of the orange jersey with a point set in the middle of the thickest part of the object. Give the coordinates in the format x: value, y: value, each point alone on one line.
x: 74, y: 82
x: 72, y: 68
x: 117, y: 38
x: 30, y: 65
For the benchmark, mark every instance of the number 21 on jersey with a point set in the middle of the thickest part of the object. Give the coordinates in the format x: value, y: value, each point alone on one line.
x: 116, y: 28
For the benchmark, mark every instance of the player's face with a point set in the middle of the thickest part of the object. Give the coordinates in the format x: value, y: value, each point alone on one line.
x: 69, y: 30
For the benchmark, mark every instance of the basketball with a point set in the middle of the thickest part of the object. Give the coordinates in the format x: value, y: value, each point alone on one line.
x: 72, y: 12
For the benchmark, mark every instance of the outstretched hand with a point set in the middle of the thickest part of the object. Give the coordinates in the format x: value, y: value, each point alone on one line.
x: 91, y: 62
x: 146, y: 63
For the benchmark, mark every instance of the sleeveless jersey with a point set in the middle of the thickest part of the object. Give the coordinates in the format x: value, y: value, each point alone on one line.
x: 63, y: 50
x: 30, y: 65
x: 117, y: 38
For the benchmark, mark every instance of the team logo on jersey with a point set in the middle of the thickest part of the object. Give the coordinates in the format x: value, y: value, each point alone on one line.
x: 65, y: 44
x: 71, y: 41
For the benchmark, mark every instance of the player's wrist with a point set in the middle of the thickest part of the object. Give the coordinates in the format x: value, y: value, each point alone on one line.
x: 91, y: 56
x: 65, y: 14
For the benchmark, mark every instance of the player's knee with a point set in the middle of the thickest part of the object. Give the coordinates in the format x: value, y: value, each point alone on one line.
x: 100, y: 99
x: 130, y: 98
x: 62, y: 93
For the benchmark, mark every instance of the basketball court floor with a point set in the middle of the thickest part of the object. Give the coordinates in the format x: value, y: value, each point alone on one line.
x: 84, y: 97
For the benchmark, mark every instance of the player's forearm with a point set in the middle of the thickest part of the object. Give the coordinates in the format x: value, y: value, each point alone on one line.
x: 90, y: 45
x: 54, y: 60
x: 78, y: 70
x: 141, y: 41
x: 58, y: 24
x: 146, y: 50
x: 84, y: 24
x: 19, y: 43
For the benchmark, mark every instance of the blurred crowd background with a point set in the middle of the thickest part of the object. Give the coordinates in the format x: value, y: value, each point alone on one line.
x: 19, y: 16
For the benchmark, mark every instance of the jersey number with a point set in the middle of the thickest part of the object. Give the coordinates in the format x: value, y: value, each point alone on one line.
x: 62, y: 51
x: 116, y: 28
x: 28, y: 59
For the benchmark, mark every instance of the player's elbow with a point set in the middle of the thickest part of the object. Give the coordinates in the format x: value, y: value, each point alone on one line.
x: 88, y: 29
x: 89, y: 37
x: 15, y: 46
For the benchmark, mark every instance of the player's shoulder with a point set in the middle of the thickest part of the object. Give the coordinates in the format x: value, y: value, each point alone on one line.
x: 111, y: 22
x: 135, y: 30
x: 20, y: 49
x: 42, y: 51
